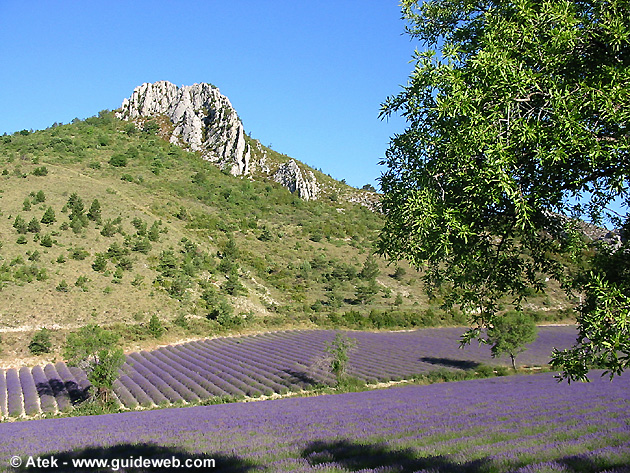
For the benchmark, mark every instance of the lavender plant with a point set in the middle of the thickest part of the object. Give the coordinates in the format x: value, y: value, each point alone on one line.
x: 15, y: 405
x: 31, y: 396
x: 3, y: 394
x: 62, y: 398
x: 510, y: 424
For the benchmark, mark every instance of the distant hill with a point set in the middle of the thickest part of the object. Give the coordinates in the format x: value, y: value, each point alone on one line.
x: 166, y: 207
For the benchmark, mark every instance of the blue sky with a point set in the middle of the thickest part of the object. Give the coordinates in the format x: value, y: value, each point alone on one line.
x: 306, y: 78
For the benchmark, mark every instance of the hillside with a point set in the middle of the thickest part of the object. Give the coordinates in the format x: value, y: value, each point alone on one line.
x: 110, y: 222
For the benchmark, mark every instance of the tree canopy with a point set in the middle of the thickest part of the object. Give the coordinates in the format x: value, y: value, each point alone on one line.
x: 509, y: 335
x: 95, y: 350
x: 518, y: 117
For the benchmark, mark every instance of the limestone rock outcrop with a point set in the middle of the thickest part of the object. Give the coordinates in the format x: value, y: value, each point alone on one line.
x: 302, y: 182
x: 296, y: 180
x: 203, y: 120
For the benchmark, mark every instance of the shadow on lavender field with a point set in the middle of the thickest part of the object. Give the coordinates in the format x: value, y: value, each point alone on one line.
x: 451, y: 363
x: 57, y: 388
x: 587, y: 463
x: 301, y: 378
x: 358, y: 457
x: 131, y: 458
x: 351, y: 456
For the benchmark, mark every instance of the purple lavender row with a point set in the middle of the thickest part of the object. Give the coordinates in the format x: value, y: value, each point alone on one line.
x: 139, y: 394
x: 297, y: 359
x: 224, y: 386
x: 3, y: 394
x: 244, y: 383
x: 292, y: 344
x: 211, y: 383
x: 312, y: 347
x: 274, y: 357
x: 124, y: 396
x: 248, y: 369
x: 252, y: 359
x: 244, y: 370
x: 75, y: 392
x: 193, y: 353
x: 58, y: 387
x: 83, y: 384
x: 451, y: 427
x: 193, y: 380
x: 15, y: 405
x: 29, y: 391
x: 275, y: 365
x: 186, y: 389
x: 382, y: 358
x: 45, y: 392
x: 137, y: 364
x: 379, y: 357
x: 143, y: 383
x: 292, y: 362
x: 308, y: 356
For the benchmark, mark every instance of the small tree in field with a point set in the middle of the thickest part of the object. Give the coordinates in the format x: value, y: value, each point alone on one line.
x: 509, y: 334
x: 337, y: 352
x: 95, y: 350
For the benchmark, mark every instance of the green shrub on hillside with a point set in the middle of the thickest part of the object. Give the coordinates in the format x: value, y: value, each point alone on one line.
x: 118, y: 160
x: 156, y: 329
x: 40, y: 343
x: 48, y: 217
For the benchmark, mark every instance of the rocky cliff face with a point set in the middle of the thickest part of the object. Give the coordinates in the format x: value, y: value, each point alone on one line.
x: 296, y: 180
x: 203, y: 120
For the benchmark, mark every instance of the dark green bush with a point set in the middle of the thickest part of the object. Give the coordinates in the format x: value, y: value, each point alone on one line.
x: 118, y: 160
x: 40, y: 171
x: 40, y: 343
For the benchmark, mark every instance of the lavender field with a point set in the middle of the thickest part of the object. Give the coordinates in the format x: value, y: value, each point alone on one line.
x: 264, y: 364
x: 522, y: 424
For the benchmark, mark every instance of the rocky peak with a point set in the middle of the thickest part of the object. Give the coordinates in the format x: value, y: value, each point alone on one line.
x: 203, y: 120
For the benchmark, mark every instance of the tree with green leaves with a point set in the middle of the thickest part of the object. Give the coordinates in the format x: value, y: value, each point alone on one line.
x: 34, y: 226
x: 156, y: 328
x: 94, y: 213
x: 38, y: 197
x: 518, y: 123
x: 366, y: 292
x: 338, y: 355
x: 95, y: 350
x: 370, y: 270
x: 76, y: 206
x: 49, y: 216
x: 154, y: 232
x: 510, y: 333
x: 20, y: 224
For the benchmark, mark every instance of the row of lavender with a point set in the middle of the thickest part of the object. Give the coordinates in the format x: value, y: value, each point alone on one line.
x: 519, y: 424
x: 256, y: 365
x: 280, y: 362
x: 52, y: 389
